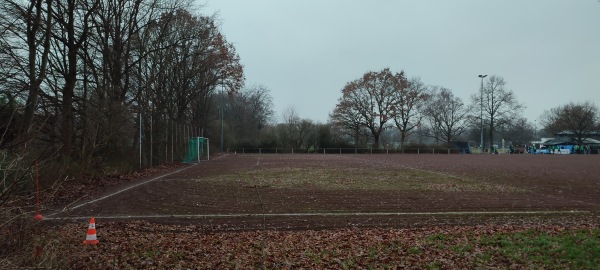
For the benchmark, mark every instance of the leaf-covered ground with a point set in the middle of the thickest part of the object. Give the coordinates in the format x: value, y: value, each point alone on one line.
x: 144, y: 245
x: 459, y: 183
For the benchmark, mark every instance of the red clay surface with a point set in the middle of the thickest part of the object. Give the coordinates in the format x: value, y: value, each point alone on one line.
x: 530, y: 188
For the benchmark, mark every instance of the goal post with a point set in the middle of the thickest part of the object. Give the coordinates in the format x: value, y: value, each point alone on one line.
x: 197, y: 150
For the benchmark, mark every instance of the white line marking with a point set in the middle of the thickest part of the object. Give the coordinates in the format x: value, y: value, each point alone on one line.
x: 224, y: 155
x: 332, y: 214
x: 122, y: 190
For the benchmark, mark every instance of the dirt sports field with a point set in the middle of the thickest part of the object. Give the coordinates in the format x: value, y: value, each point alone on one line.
x: 247, y: 192
x: 365, y: 211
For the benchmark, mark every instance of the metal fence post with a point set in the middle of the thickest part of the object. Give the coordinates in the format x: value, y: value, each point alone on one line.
x: 140, y: 142
x: 151, y: 143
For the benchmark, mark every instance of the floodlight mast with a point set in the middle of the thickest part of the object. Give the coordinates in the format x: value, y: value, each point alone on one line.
x: 481, y: 112
x: 222, y: 112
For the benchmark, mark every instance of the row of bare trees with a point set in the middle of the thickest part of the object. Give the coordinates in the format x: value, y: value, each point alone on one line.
x: 86, y: 84
x: 382, y: 100
x: 77, y: 76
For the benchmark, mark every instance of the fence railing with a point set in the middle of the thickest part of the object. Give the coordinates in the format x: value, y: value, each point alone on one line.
x: 366, y: 151
x: 347, y: 151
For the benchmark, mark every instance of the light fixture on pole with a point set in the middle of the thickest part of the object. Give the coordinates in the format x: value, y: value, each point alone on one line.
x: 481, y: 112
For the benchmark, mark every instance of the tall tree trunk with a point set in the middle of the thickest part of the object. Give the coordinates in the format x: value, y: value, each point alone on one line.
x: 70, y: 80
x: 491, y: 135
x: 35, y: 76
x: 402, y: 139
x: 68, y: 93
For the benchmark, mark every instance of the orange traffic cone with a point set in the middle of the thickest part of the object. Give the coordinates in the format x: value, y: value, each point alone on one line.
x: 90, y: 239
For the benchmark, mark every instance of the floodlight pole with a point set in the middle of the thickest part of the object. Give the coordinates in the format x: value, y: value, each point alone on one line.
x: 222, y: 116
x: 481, y: 112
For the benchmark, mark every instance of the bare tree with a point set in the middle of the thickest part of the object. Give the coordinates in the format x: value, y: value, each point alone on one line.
x: 8, y: 67
x: 108, y: 62
x: 191, y: 73
x: 288, y: 130
x: 579, y: 119
x: 371, y: 100
x: 519, y: 132
x: 260, y: 106
x: 500, y: 106
x: 447, y: 115
x: 29, y: 26
x: 408, y: 101
x: 307, y: 134
x: 72, y: 23
x: 348, y: 122
x: 250, y: 112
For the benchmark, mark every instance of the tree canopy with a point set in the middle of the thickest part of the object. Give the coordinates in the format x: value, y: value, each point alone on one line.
x: 370, y: 102
x: 578, y: 119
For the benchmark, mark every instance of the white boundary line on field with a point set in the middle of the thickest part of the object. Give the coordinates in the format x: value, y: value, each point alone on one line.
x: 330, y: 214
x: 120, y: 191
x: 125, y: 189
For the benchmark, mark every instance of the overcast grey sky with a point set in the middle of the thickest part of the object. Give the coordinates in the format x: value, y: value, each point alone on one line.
x: 548, y: 51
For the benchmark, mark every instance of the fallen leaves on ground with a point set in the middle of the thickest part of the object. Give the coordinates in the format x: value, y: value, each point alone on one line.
x: 140, y: 244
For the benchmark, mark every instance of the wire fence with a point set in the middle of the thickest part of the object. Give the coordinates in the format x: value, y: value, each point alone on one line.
x: 432, y: 150
x: 347, y: 151
x: 161, y: 140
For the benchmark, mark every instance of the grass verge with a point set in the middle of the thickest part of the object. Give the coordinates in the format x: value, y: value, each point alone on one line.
x: 578, y: 249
